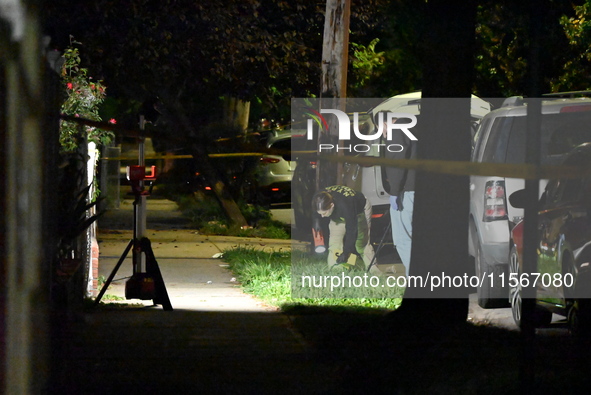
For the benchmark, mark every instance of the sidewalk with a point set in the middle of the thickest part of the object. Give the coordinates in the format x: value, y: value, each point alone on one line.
x: 195, y: 276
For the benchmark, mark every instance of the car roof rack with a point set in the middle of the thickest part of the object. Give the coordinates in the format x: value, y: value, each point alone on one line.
x: 568, y: 94
x: 513, y: 101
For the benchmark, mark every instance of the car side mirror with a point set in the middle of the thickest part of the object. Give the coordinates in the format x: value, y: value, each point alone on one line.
x: 517, y: 199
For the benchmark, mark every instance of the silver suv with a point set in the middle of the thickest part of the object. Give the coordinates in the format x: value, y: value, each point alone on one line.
x: 500, y: 138
x: 275, y: 170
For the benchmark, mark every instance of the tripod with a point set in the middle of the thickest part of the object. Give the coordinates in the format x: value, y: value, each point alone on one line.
x: 143, y: 284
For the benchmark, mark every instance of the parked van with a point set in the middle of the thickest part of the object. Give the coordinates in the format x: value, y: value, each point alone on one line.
x: 371, y: 179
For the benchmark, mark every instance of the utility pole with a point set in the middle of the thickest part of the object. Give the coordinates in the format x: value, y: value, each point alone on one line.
x: 335, y: 60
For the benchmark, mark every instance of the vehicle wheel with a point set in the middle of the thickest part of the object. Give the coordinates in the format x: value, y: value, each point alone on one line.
x: 490, y: 293
x: 515, y: 291
x: 542, y: 317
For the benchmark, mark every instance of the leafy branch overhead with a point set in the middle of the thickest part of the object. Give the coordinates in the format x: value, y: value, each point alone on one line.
x: 83, y: 99
x: 366, y: 61
x: 577, y: 28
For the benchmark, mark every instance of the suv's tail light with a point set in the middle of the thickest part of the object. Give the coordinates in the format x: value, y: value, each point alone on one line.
x: 269, y: 160
x: 495, y: 204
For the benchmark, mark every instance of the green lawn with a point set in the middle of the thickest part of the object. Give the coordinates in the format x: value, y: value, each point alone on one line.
x: 276, y: 278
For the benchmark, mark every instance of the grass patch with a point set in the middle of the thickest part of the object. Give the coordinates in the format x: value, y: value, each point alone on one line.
x: 270, y: 276
x: 109, y: 297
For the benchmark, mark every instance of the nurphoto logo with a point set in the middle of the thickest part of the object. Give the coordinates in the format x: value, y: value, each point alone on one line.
x: 386, y: 124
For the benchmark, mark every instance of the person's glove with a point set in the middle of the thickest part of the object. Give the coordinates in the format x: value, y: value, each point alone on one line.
x: 399, y: 202
x: 393, y: 202
x: 343, y: 258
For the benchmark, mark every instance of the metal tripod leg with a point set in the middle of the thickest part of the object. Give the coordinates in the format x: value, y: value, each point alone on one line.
x: 375, y: 255
x: 112, y: 275
x: 153, y: 270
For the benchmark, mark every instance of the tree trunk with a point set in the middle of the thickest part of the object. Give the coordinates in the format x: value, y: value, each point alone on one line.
x: 218, y: 186
x: 201, y: 157
x: 440, y: 222
x: 236, y: 113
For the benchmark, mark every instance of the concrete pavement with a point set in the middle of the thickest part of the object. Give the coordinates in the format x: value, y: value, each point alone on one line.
x: 195, y: 276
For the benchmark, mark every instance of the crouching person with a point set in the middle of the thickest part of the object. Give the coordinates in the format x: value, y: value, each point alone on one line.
x: 350, y: 223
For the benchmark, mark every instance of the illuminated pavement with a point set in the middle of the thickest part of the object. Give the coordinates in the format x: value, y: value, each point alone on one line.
x: 194, y: 279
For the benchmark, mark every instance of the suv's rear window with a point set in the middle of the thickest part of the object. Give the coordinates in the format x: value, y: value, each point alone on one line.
x: 560, y: 134
x: 496, y: 145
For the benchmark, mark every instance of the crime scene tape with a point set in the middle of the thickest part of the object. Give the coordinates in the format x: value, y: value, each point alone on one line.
x: 462, y: 168
x: 458, y: 168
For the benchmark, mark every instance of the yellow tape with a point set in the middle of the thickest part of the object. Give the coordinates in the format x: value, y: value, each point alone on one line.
x: 459, y: 168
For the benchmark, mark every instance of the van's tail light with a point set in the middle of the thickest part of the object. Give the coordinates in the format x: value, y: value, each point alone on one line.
x: 495, y: 203
x: 266, y: 160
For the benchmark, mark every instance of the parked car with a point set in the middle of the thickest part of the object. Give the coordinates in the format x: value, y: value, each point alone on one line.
x: 275, y: 170
x: 501, y: 139
x: 563, y: 249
